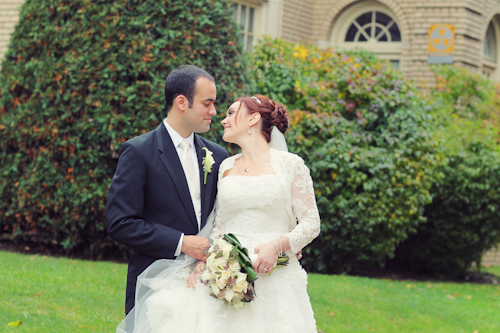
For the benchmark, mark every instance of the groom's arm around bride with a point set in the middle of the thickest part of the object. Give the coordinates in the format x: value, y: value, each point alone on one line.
x: 159, y: 199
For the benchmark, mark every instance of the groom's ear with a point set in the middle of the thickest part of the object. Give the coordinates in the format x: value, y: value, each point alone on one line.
x: 181, y: 102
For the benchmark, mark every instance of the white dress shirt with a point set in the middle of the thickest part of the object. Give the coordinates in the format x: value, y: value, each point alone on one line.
x: 176, y: 139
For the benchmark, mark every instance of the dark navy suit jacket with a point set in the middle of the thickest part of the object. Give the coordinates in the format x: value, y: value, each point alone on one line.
x: 149, y: 204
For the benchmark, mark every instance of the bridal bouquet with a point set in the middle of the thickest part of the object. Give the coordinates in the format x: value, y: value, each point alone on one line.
x: 229, y: 272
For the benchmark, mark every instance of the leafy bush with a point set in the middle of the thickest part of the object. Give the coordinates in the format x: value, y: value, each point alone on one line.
x: 464, y: 216
x: 80, y: 78
x: 366, y: 136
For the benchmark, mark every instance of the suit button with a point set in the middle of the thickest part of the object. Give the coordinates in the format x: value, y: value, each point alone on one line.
x: 197, y: 195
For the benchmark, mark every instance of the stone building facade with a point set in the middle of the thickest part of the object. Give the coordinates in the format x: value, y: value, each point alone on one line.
x: 9, y: 15
x: 398, y: 30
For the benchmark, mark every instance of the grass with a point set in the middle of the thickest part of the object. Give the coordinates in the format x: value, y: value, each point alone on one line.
x: 60, y: 295
x: 63, y: 295
x: 357, y: 304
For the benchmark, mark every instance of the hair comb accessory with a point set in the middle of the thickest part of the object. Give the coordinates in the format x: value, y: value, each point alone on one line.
x: 258, y: 100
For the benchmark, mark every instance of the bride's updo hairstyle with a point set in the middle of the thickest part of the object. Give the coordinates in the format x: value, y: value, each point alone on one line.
x: 272, y: 113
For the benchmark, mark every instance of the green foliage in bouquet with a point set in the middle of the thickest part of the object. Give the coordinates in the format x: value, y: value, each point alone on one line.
x: 79, y: 79
x: 365, y: 134
x: 464, y: 216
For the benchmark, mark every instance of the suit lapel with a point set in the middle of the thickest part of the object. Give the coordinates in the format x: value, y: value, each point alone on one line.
x: 205, y: 188
x: 171, y: 161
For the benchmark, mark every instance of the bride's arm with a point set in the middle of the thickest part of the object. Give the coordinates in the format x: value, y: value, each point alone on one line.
x: 192, y: 279
x: 304, y: 207
x: 306, y: 211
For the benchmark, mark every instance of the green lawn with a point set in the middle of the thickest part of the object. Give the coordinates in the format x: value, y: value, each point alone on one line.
x: 63, y: 295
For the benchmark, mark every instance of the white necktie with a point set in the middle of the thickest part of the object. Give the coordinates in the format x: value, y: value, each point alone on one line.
x: 192, y: 177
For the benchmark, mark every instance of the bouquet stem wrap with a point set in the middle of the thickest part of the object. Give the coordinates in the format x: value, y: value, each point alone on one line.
x: 243, y: 258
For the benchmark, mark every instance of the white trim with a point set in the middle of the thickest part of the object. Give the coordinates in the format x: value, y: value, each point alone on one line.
x: 386, y: 50
x: 490, y: 67
x: 268, y: 17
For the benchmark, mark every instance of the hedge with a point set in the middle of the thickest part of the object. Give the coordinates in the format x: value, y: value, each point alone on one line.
x: 365, y: 134
x: 79, y: 79
x: 464, y: 216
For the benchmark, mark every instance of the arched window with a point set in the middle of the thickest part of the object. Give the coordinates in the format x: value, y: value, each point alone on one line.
x: 369, y: 25
x: 490, y: 50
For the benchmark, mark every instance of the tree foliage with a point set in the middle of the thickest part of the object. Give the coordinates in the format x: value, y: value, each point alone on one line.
x: 464, y: 216
x: 81, y: 77
x: 366, y: 136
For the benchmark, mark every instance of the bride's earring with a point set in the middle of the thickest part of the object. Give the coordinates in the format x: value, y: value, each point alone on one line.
x: 249, y: 131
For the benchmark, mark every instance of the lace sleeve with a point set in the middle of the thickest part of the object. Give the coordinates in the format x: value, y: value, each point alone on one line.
x: 304, y: 207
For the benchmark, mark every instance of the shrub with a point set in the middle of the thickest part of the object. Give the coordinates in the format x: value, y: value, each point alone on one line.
x: 366, y: 136
x: 80, y: 78
x: 464, y: 216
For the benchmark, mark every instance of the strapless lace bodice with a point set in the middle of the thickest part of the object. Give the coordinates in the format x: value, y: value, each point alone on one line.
x: 253, y: 208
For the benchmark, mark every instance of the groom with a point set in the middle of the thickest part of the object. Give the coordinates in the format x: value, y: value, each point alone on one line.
x: 158, y: 199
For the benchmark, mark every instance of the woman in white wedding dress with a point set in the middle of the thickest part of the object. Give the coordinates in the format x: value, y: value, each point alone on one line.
x: 262, y: 193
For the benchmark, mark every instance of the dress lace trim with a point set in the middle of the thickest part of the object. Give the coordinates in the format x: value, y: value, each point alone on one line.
x: 294, y: 176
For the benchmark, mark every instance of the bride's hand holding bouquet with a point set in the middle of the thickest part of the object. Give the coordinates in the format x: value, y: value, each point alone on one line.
x: 271, y: 254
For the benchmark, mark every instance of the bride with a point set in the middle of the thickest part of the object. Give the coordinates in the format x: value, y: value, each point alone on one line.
x: 262, y: 193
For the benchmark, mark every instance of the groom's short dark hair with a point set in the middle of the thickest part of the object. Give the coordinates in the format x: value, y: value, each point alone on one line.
x: 182, y: 81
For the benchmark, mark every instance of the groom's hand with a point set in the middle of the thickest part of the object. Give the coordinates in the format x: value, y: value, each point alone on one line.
x: 193, y: 246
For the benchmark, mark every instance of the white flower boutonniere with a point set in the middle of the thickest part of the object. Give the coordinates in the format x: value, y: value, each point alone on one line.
x: 208, y: 161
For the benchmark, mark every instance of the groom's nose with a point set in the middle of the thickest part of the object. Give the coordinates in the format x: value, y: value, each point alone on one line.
x: 212, y: 111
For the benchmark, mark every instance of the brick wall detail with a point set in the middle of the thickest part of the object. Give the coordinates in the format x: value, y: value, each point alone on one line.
x: 9, y: 15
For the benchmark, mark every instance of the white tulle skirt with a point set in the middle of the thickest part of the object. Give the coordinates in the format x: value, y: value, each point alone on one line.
x: 164, y: 303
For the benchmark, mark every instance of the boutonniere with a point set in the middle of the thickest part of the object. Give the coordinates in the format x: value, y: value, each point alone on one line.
x: 207, y: 162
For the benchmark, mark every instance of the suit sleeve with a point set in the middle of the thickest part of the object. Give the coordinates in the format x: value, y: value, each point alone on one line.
x: 125, y: 210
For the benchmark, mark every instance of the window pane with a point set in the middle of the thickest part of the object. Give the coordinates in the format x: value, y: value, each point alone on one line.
x: 242, y: 41
x: 362, y: 38
x: 364, y: 18
x: 235, y: 12
x: 383, y: 36
x: 351, y: 33
x: 490, y: 44
x: 383, y: 19
x: 243, y: 16
x: 249, y: 43
x: 395, y: 34
x: 368, y: 30
x: 395, y: 63
x: 250, y: 19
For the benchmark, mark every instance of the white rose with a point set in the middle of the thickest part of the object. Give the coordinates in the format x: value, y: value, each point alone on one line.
x: 215, y: 289
x: 221, y: 263
x: 208, y: 275
x: 226, y: 274
x: 221, y: 283
x: 241, y: 287
x: 235, y: 266
x: 220, y: 242
x: 229, y: 294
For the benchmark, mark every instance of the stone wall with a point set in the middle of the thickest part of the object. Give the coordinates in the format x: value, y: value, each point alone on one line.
x: 471, y: 19
x: 297, y: 20
x: 491, y: 258
x: 9, y: 13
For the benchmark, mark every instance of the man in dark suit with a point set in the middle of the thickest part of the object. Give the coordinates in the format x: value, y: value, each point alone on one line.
x: 159, y: 199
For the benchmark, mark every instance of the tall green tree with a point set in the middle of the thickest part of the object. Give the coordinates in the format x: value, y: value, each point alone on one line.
x: 81, y: 77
